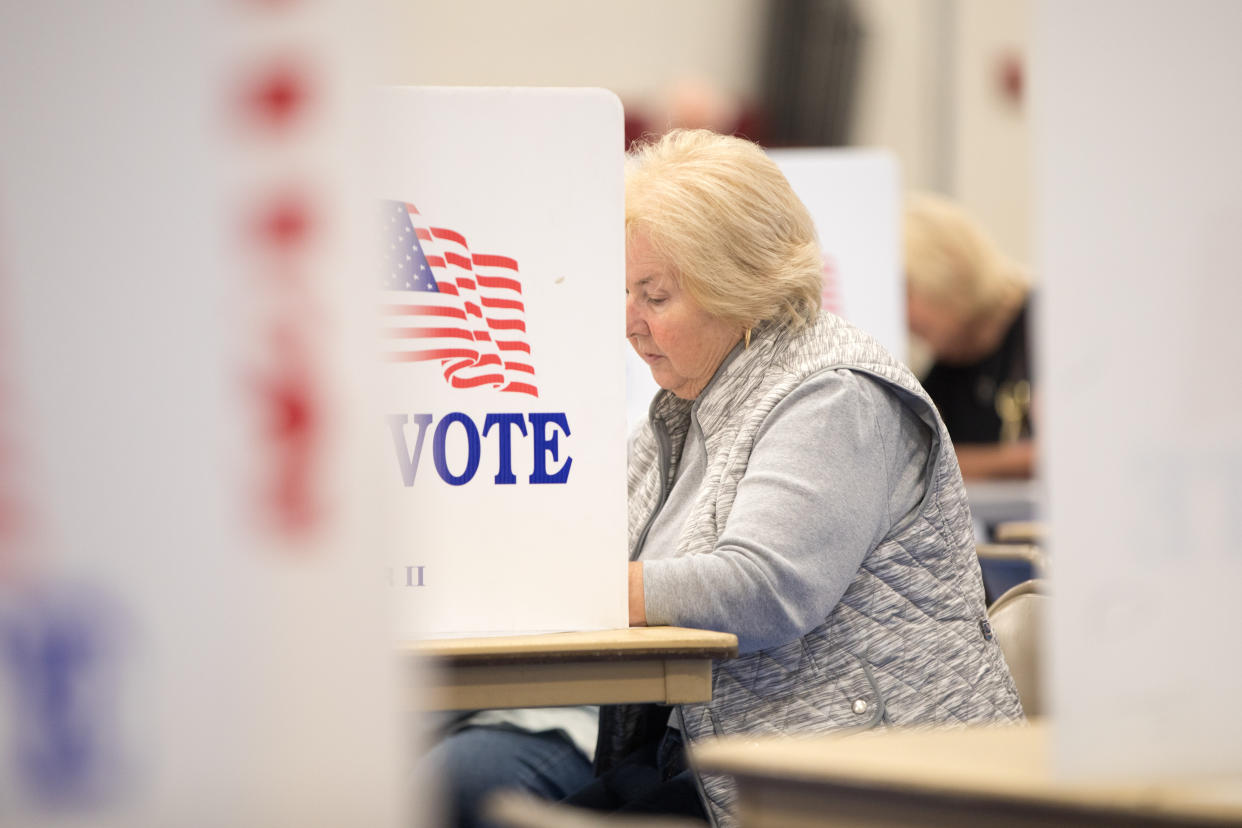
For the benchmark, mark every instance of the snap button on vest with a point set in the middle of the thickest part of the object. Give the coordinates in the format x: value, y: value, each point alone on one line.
x: 860, y: 706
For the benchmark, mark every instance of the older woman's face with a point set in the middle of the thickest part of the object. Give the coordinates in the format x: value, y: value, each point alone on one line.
x: 680, y: 341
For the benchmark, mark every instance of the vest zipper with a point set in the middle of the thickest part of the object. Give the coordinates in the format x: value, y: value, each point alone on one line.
x: 663, y: 450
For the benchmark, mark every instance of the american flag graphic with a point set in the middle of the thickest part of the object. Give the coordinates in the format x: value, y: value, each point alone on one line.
x: 444, y: 303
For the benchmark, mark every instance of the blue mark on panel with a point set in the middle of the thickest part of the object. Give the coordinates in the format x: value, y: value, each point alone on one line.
x: 58, y: 656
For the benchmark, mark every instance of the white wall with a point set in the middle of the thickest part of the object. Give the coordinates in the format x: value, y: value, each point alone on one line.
x: 929, y: 86
x: 905, y: 94
x: 991, y: 149
x: 931, y: 95
x: 635, y: 48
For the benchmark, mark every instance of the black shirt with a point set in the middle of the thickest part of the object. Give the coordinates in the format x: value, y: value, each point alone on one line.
x: 967, y: 395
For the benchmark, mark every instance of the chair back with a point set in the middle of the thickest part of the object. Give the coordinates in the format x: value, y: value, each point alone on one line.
x: 1017, y: 620
x: 1005, y: 565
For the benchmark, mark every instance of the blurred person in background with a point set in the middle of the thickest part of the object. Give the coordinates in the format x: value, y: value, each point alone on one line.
x: 970, y: 306
x: 792, y: 485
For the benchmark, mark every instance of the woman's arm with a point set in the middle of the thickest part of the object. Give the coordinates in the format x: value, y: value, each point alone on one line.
x: 818, y: 494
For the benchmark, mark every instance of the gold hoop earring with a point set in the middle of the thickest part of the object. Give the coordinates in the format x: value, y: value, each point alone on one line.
x: 747, y: 346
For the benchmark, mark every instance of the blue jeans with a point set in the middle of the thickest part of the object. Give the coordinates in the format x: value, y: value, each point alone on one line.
x: 477, y: 761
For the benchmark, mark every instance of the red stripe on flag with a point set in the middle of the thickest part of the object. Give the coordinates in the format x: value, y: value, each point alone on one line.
x: 428, y: 333
x: 507, y: 325
x: 457, y: 259
x: 448, y: 287
x: 500, y: 282
x: 435, y: 261
x: 521, y: 388
x: 421, y: 310
x: 422, y: 234
x: 513, y: 346
x: 473, y: 309
x: 488, y: 359
x: 488, y: 260
x: 466, y: 284
x: 518, y: 366
x: 451, y: 235
x: 504, y: 303
x: 420, y: 356
x: 474, y: 382
x: 410, y: 208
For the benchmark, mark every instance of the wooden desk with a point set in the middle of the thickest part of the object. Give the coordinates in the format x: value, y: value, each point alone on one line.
x: 640, y: 664
x: 1021, y: 531
x: 946, y: 778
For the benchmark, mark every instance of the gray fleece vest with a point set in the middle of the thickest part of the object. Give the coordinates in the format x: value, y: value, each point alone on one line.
x: 907, y: 644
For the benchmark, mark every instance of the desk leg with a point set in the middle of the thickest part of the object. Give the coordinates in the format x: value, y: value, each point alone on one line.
x: 687, y: 680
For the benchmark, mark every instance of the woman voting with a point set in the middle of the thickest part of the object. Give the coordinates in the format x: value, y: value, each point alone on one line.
x: 793, y: 485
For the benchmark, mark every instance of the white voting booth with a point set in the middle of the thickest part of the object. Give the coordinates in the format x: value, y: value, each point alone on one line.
x: 1141, y: 184
x: 854, y: 198
x: 502, y: 422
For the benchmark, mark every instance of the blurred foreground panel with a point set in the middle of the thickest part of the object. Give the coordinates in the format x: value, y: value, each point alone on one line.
x: 1138, y: 124
x: 192, y: 616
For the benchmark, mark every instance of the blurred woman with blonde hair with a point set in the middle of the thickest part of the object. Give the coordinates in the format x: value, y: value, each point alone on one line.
x: 969, y: 305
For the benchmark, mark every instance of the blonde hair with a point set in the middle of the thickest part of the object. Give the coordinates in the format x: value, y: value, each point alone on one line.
x: 952, y: 262
x: 723, y: 215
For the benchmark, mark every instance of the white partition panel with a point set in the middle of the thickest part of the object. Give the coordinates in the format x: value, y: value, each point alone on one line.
x: 1139, y: 124
x: 854, y: 196
x: 192, y: 625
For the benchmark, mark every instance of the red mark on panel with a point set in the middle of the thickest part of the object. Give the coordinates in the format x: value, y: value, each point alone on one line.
x: 277, y: 96
x: 291, y: 411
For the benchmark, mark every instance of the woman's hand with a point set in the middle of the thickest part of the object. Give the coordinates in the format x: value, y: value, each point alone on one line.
x: 991, y: 461
x: 638, y: 607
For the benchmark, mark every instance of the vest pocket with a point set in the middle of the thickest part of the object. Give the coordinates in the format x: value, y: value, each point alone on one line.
x: 836, y: 692
x: 870, y: 710
x: 845, y: 683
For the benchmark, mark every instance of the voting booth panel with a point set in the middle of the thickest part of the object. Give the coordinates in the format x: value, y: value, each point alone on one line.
x: 191, y: 597
x: 854, y: 198
x: 501, y: 326
x: 1141, y: 203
